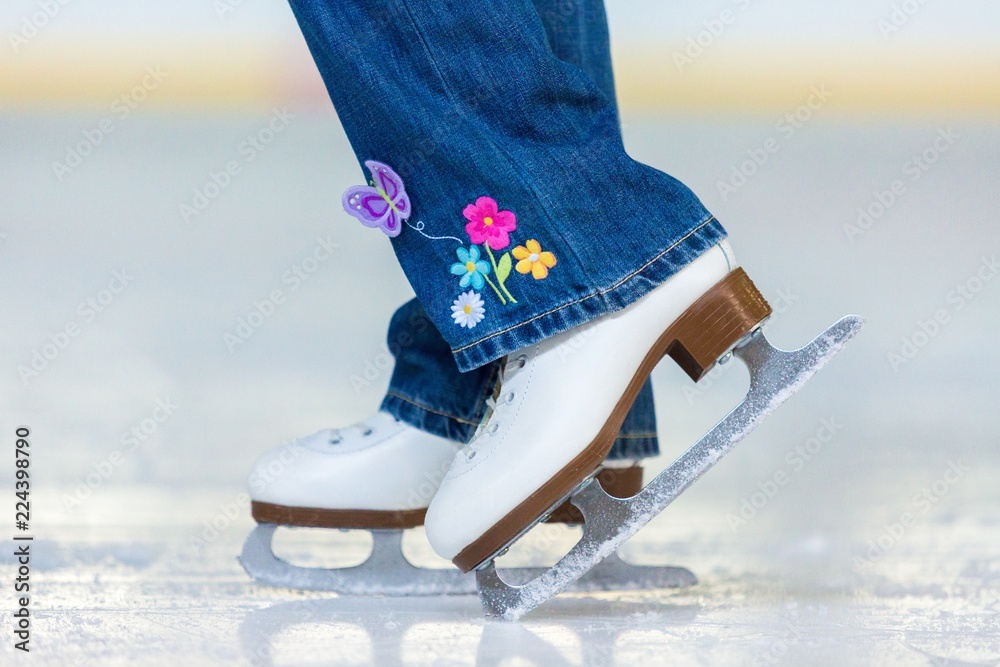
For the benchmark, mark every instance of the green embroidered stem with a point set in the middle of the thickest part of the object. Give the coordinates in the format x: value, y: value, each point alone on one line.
x: 509, y: 295
x: 497, y: 272
x: 503, y: 301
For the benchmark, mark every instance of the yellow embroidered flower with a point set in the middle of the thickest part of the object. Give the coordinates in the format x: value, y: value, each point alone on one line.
x: 532, y: 260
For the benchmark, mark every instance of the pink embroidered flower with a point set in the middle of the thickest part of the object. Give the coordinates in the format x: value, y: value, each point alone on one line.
x: 488, y: 224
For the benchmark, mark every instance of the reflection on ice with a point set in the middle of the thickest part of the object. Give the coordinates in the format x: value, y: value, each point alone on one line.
x: 386, y: 631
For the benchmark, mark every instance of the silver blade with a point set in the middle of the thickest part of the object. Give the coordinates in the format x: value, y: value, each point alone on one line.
x: 774, y: 376
x: 388, y: 572
x: 385, y: 572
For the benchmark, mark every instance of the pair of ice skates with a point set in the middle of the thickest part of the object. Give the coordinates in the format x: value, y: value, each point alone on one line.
x: 542, y: 445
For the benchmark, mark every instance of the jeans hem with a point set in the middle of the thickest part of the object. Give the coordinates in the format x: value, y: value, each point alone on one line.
x: 622, y: 293
x: 427, y: 419
x: 634, y: 447
x: 450, y: 427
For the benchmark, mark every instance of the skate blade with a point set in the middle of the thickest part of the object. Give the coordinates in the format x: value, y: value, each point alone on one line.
x: 387, y: 572
x: 774, y: 376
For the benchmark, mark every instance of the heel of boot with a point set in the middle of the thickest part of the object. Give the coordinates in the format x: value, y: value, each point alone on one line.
x: 714, y: 323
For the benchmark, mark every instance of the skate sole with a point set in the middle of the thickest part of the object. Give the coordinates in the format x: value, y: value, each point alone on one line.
x: 313, y: 517
x: 706, y: 331
x: 775, y: 375
x: 619, y: 482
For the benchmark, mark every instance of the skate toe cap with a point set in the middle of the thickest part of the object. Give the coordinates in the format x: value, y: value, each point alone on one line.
x: 398, y: 473
x: 457, y: 516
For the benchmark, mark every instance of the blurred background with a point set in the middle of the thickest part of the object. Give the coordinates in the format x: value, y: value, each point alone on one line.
x: 851, y: 149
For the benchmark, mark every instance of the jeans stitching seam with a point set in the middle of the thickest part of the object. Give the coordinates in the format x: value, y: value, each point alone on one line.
x: 428, y: 408
x: 589, y: 296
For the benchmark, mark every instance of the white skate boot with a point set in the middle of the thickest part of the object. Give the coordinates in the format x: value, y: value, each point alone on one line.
x: 380, y: 475
x: 557, y: 416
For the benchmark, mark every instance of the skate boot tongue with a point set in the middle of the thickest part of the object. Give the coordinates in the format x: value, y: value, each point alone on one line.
x: 504, y: 394
x: 362, y: 429
x: 337, y: 436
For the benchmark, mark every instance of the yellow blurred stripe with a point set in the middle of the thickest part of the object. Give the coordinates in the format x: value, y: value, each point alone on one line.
x: 866, y: 78
x: 197, y: 74
x: 727, y: 77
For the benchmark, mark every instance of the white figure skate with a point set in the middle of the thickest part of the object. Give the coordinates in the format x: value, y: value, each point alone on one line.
x: 379, y: 475
x: 505, y: 481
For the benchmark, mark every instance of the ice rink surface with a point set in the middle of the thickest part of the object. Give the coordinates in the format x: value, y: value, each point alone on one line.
x: 860, y: 525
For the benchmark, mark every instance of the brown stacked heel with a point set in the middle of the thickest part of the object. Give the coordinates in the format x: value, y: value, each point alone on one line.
x: 715, y: 323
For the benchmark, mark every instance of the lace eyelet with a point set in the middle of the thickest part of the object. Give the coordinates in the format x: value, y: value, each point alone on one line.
x: 522, y: 361
x: 367, y: 432
x: 471, y: 455
x: 334, y: 441
x: 510, y: 397
x: 494, y: 427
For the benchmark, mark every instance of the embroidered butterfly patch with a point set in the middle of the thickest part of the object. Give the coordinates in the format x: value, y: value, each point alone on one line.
x: 383, y: 204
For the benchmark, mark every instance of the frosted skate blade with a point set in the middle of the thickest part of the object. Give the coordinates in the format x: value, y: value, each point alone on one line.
x: 616, y: 574
x: 385, y: 572
x: 774, y: 376
x: 611, y: 574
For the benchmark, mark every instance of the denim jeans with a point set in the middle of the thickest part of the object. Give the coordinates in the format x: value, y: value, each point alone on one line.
x: 526, y: 217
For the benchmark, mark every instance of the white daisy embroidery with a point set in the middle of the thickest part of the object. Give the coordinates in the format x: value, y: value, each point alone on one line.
x: 468, y: 310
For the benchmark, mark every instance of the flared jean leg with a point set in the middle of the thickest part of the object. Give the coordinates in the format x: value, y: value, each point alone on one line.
x: 427, y: 390
x: 511, y: 152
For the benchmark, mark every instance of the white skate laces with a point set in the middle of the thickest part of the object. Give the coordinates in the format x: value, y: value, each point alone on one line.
x: 503, y: 396
x: 363, y: 428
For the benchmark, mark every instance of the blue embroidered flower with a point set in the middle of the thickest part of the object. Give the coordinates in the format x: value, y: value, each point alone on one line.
x: 472, y: 269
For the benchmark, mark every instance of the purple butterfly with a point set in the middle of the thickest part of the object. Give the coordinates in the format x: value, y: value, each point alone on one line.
x: 385, y: 205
